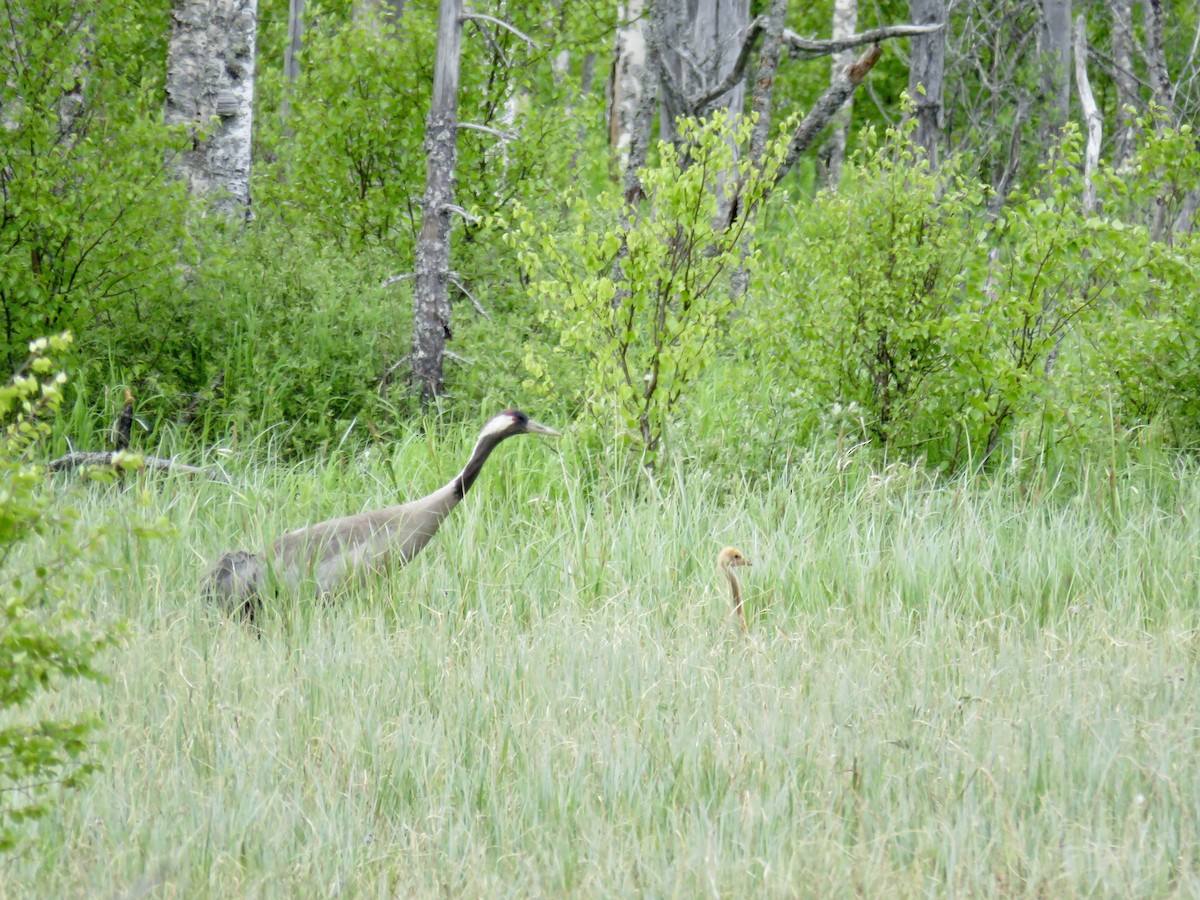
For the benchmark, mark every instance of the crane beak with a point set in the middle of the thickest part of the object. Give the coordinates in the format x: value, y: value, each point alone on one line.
x: 532, y: 427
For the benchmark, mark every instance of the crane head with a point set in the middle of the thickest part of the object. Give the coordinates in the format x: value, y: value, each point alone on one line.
x: 730, y: 557
x: 513, y: 421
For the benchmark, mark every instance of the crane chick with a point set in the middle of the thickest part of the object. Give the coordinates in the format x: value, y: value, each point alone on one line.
x: 727, y: 560
x: 330, y: 553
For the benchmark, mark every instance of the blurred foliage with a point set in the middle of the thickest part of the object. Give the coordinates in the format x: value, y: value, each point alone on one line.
x: 44, y: 643
x: 933, y: 315
x: 90, y: 229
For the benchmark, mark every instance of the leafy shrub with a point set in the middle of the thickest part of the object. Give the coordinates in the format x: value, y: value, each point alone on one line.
x: 299, y: 337
x: 637, y: 297
x: 91, y: 228
x: 43, y: 642
x: 939, y: 326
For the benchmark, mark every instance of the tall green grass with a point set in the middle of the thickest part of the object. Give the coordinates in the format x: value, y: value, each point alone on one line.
x: 961, y: 688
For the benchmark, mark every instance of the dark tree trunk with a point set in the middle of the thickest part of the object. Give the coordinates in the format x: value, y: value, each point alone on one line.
x: 291, y: 66
x: 926, y: 79
x: 431, y: 303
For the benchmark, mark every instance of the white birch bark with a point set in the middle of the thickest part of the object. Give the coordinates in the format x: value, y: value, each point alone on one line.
x: 627, y: 81
x: 1091, y: 115
x: 845, y: 22
x: 210, y: 90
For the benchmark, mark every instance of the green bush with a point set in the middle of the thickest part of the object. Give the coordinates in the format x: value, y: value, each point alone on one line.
x: 298, y: 338
x: 44, y: 643
x: 91, y: 228
x: 914, y: 318
x: 637, y: 298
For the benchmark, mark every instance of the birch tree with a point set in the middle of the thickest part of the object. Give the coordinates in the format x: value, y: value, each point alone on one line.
x: 845, y: 21
x: 431, y: 303
x: 210, y: 91
x: 627, y: 81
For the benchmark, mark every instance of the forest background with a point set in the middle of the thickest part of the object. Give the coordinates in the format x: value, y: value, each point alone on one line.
x: 974, y: 275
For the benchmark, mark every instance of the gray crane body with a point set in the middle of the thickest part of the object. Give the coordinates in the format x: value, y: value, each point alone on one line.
x: 330, y: 554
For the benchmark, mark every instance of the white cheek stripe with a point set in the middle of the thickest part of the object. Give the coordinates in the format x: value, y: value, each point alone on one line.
x: 496, y: 425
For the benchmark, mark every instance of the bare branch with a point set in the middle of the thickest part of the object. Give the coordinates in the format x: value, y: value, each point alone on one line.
x: 826, y: 108
x: 480, y: 17
x: 461, y: 360
x: 478, y: 306
x: 396, y: 279
x: 454, y: 208
x: 495, y: 132
x: 805, y: 48
x: 753, y: 30
x: 80, y: 459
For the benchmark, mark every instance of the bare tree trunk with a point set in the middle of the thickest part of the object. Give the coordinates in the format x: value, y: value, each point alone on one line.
x: 643, y: 117
x: 1160, y: 81
x: 1054, y: 45
x: 1091, y: 116
x: 926, y: 76
x: 291, y: 66
x: 764, y: 90
x: 628, y: 79
x: 702, y: 41
x: 764, y: 81
x: 210, y: 73
x: 1160, y: 89
x: 431, y: 304
x: 845, y: 23
x: 1128, y: 99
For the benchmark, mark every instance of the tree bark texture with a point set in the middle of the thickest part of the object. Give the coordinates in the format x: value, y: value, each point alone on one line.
x: 1091, y: 116
x: 1054, y: 45
x: 926, y: 77
x: 628, y: 79
x: 701, y: 44
x: 764, y: 80
x: 1160, y: 80
x: 291, y: 65
x: 1128, y: 94
x: 431, y: 303
x: 210, y: 90
x: 845, y: 21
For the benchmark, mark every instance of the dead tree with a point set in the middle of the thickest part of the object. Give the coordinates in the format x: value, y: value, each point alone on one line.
x: 431, y: 304
x: 432, y: 275
x: 926, y: 77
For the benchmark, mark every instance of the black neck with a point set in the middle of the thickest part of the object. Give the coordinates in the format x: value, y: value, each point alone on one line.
x: 479, y: 456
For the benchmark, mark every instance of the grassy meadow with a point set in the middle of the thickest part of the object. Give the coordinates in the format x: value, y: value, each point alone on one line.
x: 979, y: 687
